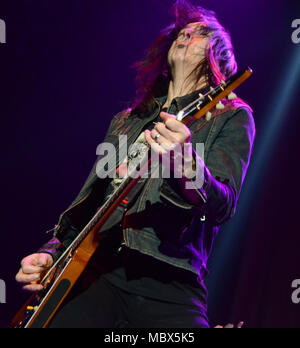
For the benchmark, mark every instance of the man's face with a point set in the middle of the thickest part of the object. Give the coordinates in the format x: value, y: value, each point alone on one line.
x: 189, y: 47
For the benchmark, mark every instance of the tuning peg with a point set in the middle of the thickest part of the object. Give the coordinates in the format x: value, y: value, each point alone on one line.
x: 220, y: 106
x: 201, y: 95
x: 208, y: 116
x: 232, y: 96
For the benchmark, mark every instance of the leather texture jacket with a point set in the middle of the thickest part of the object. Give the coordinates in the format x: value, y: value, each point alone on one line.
x: 162, y: 223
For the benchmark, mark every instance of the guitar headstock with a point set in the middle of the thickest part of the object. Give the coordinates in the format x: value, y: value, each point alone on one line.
x: 213, y: 99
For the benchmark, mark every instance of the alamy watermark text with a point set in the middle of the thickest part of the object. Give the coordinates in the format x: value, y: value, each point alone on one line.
x: 177, y: 163
x: 296, y: 292
x: 2, y: 31
x: 2, y: 291
x: 296, y: 32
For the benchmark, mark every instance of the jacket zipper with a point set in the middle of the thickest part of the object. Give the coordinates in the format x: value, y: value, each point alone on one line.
x: 124, y: 241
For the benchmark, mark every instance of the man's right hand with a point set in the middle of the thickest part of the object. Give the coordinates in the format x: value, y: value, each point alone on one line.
x: 32, y: 269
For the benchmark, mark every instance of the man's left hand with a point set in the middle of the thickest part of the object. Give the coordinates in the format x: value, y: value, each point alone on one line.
x: 169, y: 139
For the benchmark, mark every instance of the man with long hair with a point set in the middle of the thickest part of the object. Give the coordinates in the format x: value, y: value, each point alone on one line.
x: 156, y: 279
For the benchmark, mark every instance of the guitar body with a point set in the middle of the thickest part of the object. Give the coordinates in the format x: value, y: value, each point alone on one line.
x: 59, y: 289
x: 41, y: 308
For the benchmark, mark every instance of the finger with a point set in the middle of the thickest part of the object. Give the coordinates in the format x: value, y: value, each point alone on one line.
x: 167, y: 144
x: 172, y: 151
x: 161, y: 140
x: 166, y: 133
x: 33, y: 287
x: 43, y: 260
x: 219, y: 327
x: 29, y: 269
x: 36, y: 263
x: 154, y: 145
x: 26, y: 278
x: 172, y: 124
x: 229, y: 326
x: 165, y: 116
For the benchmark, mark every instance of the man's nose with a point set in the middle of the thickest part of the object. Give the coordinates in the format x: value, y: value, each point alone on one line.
x: 186, y: 36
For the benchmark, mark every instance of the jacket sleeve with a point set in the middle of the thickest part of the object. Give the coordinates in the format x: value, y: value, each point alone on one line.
x: 226, y: 165
x: 57, y: 245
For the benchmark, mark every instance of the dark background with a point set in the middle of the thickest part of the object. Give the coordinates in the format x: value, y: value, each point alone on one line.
x: 65, y: 71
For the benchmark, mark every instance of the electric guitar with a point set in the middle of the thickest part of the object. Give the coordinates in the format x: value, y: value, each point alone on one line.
x: 61, y: 278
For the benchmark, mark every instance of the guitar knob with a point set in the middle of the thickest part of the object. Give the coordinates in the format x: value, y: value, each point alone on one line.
x: 208, y: 116
x: 232, y: 96
x: 29, y: 312
x: 220, y: 106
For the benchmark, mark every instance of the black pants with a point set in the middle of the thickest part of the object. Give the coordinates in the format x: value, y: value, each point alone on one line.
x: 106, y: 306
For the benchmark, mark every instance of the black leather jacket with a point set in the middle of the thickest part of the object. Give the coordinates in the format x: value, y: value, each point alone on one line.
x: 162, y: 223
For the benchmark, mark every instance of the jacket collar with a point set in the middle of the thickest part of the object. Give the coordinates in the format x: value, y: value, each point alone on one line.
x: 182, y: 102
